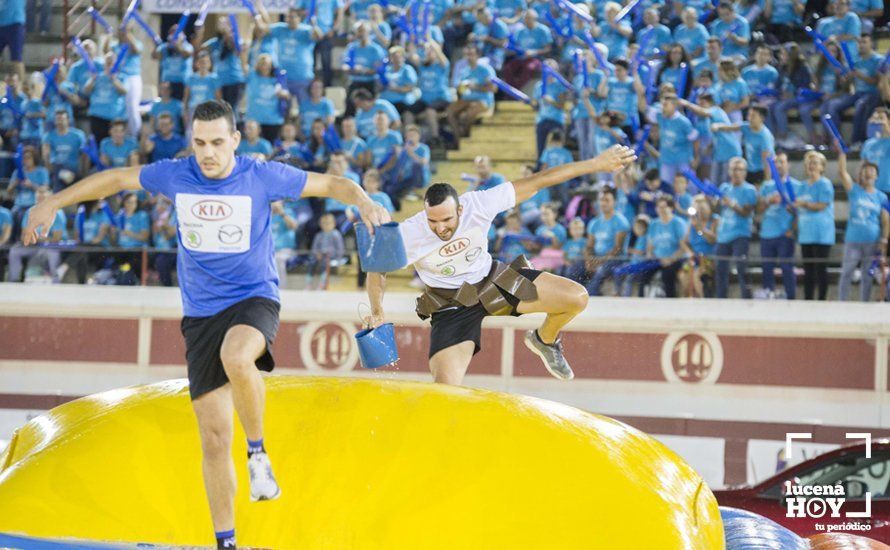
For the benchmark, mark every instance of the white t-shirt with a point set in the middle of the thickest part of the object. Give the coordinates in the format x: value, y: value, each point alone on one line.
x: 465, y: 257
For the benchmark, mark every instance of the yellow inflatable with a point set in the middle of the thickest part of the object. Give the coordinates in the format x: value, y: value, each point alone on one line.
x: 370, y: 464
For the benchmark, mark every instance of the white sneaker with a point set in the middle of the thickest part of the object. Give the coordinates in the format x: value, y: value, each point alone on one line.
x: 262, y: 481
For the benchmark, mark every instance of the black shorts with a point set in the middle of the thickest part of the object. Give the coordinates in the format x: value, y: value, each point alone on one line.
x: 420, y: 106
x: 204, y: 337
x: 462, y: 324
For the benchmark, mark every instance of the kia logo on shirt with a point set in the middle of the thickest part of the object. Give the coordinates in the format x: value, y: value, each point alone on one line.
x: 454, y: 247
x: 211, y: 210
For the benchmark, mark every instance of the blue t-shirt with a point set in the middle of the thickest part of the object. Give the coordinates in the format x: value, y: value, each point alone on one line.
x: 226, y: 253
x: 816, y: 227
x: 546, y: 110
x: 536, y: 38
x: 574, y: 249
x: 755, y: 144
x: 173, y: 107
x: 732, y: 224
x: 594, y: 78
x: 119, y: 155
x: 877, y: 150
x: 868, y: 65
x: 167, y: 148
x: 25, y: 198
x: 65, y: 150
x: 262, y: 101
x: 740, y: 27
x: 864, y: 223
x: 557, y: 232
x: 497, y: 30
x: 261, y: 146
x: 556, y: 156
x: 784, y: 14
x: 759, y: 79
x: 433, y: 82
x: 691, y: 39
x: 59, y: 102
x: 364, y: 120
x: 296, y: 50
x: 282, y: 235
x: 201, y: 88
x: 404, y: 76
x: 91, y: 227
x: 173, y: 65
x: 666, y: 237
x: 777, y: 220
x: 605, y: 232
x: 480, y: 76
x: 364, y: 57
x: 623, y: 98
x: 353, y: 148
x: 492, y: 180
x: 406, y: 163
x: 5, y: 219
x: 726, y: 144
x: 106, y: 101
x: 32, y: 126
x: 12, y: 12
x: 615, y: 41
x: 734, y: 90
x: 226, y: 62
x: 381, y: 146
x: 310, y: 112
x: 325, y: 12
x: 698, y: 243
x: 132, y: 63
x: 849, y: 24
x: 676, y: 136
x: 137, y: 222
x: 60, y: 223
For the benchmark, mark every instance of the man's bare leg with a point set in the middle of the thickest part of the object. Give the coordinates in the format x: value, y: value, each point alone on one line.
x: 450, y: 364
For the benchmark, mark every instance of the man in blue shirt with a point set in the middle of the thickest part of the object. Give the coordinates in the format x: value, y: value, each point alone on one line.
x: 877, y: 148
x: 367, y: 108
x: 664, y: 240
x: 733, y: 30
x: 476, y: 95
x: 119, y: 149
x: 61, y: 148
x: 606, y: 241
x: 12, y: 32
x: 296, y: 52
x: 361, y: 60
x: 739, y: 199
x: 759, y: 141
x: 175, y: 57
x: 777, y: 229
x: 165, y: 144
x: 865, y: 95
x: 329, y: 19
x: 228, y: 281
x: 677, y: 138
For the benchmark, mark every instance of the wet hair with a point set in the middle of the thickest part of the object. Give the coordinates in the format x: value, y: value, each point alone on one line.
x: 438, y: 193
x: 213, y: 109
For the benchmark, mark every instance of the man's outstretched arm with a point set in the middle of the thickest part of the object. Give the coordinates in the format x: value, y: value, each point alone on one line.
x: 348, y: 192
x: 93, y: 187
x: 612, y: 159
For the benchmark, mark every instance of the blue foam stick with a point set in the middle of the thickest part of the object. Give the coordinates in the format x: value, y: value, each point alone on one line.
x: 577, y: 60
x: 576, y: 11
x: 97, y: 17
x: 626, y: 10
x: 639, y: 267
x: 147, y: 28
x: 121, y: 54
x: 702, y: 186
x: 645, y: 38
x: 427, y: 7
x: 306, y: 154
x: 814, y: 34
x: 350, y: 58
x: 832, y: 127
x: 79, y: 220
x: 109, y: 213
x: 651, y: 81
x: 17, y: 159
x: 513, y: 47
x: 386, y: 158
x: 601, y: 61
x: 202, y: 13
x: 381, y: 73
x: 830, y: 58
x: 780, y: 185
x: 180, y: 26
x: 131, y: 9
x: 82, y: 52
x: 555, y: 75
x: 50, y: 76
x: 731, y: 31
x: 248, y: 4
x: 469, y: 178
x: 92, y: 151
x: 806, y: 95
x: 684, y: 76
x: 283, y: 103
x: 545, y: 81
x: 510, y: 90
x: 403, y: 24
x: 845, y: 49
x: 236, y: 34
x: 768, y: 92
x: 10, y: 103
x: 310, y: 11
x: 640, y: 146
x: 705, y: 16
x: 332, y: 139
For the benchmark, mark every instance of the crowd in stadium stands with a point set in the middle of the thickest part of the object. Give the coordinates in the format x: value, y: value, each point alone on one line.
x: 703, y: 91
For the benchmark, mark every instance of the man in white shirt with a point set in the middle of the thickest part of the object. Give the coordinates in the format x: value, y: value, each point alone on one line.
x: 448, y: 245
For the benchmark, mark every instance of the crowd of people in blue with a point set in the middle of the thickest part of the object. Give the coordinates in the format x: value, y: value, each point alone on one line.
x: 706, y: 93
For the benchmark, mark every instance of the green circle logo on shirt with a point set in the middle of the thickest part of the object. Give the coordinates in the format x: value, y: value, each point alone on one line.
x: 448, y: 270
x: 193, y: 239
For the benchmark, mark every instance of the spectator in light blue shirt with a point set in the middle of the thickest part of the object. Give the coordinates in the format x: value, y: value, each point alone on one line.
x: 733, y: 30
x: 614, y: 34
x: 130, y: 75
x: 253, y: 143
x: 166, y: 103
x: 739, y: 199
x: 815, y: 224
x: 361, y: 59
x: 175, y: 57
x: 201, y: 86
x: 267, y: 99
x: 62, y: 152
x: 296, y: 51
x: 867, y: 227
x: 108, y: 95
x: 329, y: 17
x: 759, y: 141
x: 118, y: 149
x: 777, y: 229
x: 877, y: 147
x: 783, y: 17
x: 844, y: 26
x: 435, y: 93
x: 676, y: 138
x: 865, y: 95
x: 165, y: 143
x: 401, y: 81
x: 664, y: 240
x: 229, y: 53
x: 761, y: 77
x: 607, y: 241
x: 692, y: 35
x: 25, y: 188
x: 476, y: 96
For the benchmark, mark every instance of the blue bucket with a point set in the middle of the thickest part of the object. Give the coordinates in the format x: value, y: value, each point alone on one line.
x: 377, y: 346
x: 383, y: 252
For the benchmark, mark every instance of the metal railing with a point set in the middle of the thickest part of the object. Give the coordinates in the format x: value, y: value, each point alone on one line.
x: 77, y: 19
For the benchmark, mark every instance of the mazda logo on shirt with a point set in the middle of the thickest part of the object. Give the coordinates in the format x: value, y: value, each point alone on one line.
x: 230, y: 234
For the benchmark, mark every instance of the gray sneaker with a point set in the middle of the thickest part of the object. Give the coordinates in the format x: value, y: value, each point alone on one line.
x: 551, y: 354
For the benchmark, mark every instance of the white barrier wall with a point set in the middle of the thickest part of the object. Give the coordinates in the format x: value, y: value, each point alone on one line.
x: 721, y: 382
